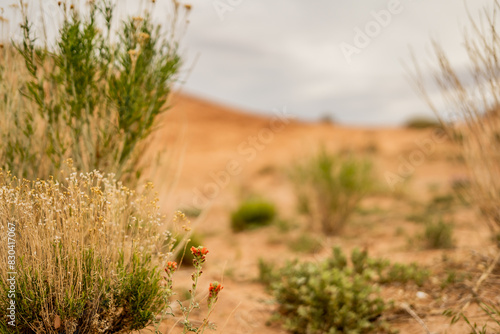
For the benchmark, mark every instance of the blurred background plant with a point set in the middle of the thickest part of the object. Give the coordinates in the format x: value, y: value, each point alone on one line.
x: 469, y: 109
x: 251, y: 214
x: 93, y: 97
x: 329, y: 187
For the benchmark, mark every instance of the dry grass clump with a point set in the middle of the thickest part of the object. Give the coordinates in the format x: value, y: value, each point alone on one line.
x: 472, y: 105
x: 88, y: 251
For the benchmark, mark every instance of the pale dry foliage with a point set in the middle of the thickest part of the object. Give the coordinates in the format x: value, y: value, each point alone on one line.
x: 20, y: 124
x: 72, y: 240
x: 472, y: 104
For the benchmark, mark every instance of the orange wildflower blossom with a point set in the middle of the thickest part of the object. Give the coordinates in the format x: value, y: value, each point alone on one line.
x: 171, y: 267
x: 213, y: 292
x: 199, y: 255
x: 199, y: 251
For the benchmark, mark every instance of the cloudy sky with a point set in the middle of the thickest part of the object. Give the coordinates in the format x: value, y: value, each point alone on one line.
x: 321, y: 57
x: 266, y: 54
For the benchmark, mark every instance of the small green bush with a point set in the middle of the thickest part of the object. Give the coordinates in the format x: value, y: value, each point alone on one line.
x: 438, y: 236
x: 192, y: 211
x: 267, y: 272
x: 252, y: 214
x: 326, y: 297
x: 333, y: 296
x: 329, y: 187
x: 305, y: 243
x: 422, y: 123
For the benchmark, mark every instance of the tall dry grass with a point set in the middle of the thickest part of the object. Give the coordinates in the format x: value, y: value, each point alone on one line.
x: 469, y: 108
x: 21, y: 127
x: 88, y: 254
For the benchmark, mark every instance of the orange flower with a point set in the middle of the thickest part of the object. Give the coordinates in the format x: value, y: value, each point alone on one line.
x: 215, y: 288
x: 200, y: 251
x: 213, y: 293
x: 171, y: 265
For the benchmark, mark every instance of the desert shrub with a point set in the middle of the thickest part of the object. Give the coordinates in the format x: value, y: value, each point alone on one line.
x: 326, y: 297
x: 422, y: 123
x: 333, y: 296
x: 305, y: 243
x: 317, y: 299
x: 469, y: 108
x: 267, y: 272
x: 401, y: 273
x: 438, y: 235
x: 192, y: 211
x: 94, y: 97
x: 329, y: 187
x: 252, y: 214
x: 88, y: 254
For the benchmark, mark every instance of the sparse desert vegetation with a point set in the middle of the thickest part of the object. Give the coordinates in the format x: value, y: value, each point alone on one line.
x: 93, y: 241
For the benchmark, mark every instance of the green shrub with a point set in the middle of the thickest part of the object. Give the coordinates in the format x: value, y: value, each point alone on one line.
x: 329, y: 187
x: 305, y: 243
x: 333, y: 296
x: 252, y: 214
x: 326, y: 297
x: 438, y: 235
x: 192, y: 211
x: 267, y: 272
x: 401, y: 273
x: 92, y: 98
x: 422, y: 123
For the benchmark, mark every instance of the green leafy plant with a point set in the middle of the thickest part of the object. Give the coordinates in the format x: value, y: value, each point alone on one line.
x: 329, y: 187
x: 326, y: 297
x: 305, y: 243
x: 422, y: 123
x: 252, y: 214
x: 336, y: 295
x: 438, y: 235
x: 93, y: 97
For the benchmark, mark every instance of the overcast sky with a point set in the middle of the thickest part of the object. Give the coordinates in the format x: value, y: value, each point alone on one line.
x: 266, y: 54
x: 260, y: 55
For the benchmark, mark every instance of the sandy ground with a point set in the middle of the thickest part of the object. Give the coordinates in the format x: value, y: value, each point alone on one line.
x: 213, y: 157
